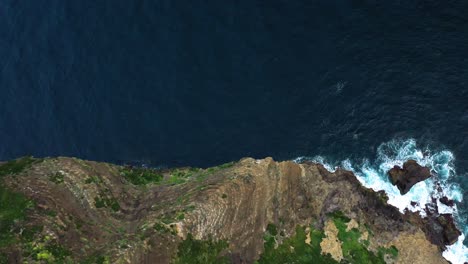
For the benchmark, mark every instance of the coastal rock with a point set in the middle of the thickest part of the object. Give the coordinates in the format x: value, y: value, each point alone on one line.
x: 447, y: 201
x: 240, y: 212
x: 450, y: 231
x: 406, y: 177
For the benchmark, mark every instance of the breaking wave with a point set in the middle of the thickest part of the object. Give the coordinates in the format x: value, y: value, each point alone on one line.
x: 373, y: 174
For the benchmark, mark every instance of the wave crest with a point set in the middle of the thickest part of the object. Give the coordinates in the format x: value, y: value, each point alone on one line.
x: 373, y: 174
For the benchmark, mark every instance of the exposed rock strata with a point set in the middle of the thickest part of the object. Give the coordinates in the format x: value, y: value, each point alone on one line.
x: 235, y: 204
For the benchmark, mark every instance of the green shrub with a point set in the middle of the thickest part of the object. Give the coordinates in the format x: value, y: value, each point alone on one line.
x: 96, y: 259
x: 180, y: 216
x: 192, y: 251
x: 3, y: 258
x: 111, y: 203
x: 93, y: 179
x: 141, y: 176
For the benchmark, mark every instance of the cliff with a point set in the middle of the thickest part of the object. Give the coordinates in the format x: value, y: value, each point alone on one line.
x: 66, y: 210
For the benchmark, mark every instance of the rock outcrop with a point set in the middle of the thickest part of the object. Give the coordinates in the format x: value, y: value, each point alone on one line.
x: 406, y: 177
x: 447, y: 201
x: 251, y: 210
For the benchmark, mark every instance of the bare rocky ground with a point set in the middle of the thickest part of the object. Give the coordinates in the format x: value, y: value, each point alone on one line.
x: 77, y: 211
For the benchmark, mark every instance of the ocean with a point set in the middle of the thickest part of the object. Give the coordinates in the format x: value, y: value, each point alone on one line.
x: 360, y: 84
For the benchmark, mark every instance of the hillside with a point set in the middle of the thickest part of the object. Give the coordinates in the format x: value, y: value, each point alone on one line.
x: 67, y: 210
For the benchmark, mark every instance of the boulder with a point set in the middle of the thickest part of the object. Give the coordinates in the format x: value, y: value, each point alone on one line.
x: 450, y: 232
x: 447, y: 201
x: 406, y: 177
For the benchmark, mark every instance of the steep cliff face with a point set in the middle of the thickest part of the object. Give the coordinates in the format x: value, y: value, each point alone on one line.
x: 66, y: 210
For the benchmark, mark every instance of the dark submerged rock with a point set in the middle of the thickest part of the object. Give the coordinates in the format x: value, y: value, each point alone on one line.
x: 406, y: 177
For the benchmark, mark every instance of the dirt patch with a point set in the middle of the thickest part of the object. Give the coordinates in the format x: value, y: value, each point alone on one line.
x: 331, y: 244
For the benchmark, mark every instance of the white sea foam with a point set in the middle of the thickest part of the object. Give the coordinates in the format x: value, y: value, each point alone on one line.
x: 396, y: 152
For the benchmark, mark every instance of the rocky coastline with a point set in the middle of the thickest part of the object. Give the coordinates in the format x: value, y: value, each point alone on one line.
x: 67, y: 210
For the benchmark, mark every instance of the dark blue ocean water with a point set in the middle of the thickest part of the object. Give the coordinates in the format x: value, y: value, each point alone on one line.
x: 204, y: 82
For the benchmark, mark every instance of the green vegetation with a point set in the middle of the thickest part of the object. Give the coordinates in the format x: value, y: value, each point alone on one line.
x: 164, y: 229
x: 57, y: 177
x: 391, y: 251
x: 355, y: 250
x: 123, y: 243
x: 13, y: 208
x: 294, y: 249
x: 93, y: 179
x: 29, y: 233
x: 111, y: 203
x: 96, y: 259
x: 3, y: 258
x: 144, y: 176
x: 180, y: 216
x: 45, y: 249
x: 17, y: 166
x: 272, y: 230
x: 221, y: 167
x: 141, y: 176
x: 184, y: 198
x: 224, y: 196
x: 192, y: 251
x: 180, y: 176
x: 50, y: 213
x: 205, y: 173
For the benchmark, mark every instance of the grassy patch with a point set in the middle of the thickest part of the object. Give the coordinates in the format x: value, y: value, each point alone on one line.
x: 17, y: 166
x: 179, y: 176
x: 13, y: 207
x: 225, y: 165
x: 207, y: 172
x: 391, y: 251
x: 45, y: 250
x: 141, y: 176
x: 192, y: 251
x: 355, y: 251
x: 184, y: 198
x: 180, y: 216
x: 294, y: 249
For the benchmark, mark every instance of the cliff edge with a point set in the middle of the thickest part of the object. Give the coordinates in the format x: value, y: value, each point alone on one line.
x: 67, y: 210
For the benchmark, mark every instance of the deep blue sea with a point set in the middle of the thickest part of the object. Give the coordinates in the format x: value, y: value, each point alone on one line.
x: 361, y: 83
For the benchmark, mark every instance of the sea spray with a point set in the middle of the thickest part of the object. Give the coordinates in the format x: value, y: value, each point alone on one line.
x: 373, y: 174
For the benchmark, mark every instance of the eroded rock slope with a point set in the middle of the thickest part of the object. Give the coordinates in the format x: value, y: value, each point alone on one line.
x: 66, y: 210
